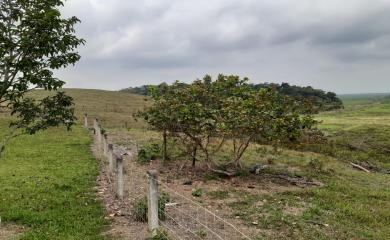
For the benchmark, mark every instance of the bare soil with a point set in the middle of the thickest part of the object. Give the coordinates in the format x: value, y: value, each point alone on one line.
x: 11, y: 231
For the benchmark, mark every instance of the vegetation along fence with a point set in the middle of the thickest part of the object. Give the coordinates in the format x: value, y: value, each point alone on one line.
x: 168, y: 213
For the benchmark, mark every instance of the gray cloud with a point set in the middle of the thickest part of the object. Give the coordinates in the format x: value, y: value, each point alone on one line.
x: 306, y: 42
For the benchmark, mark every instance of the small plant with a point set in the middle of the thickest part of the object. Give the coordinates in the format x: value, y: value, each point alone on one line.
x: 316, y: 165
x: 201, y: 234
x: 209, y: 177
x: 197, y: 192
x: 219, y: 194
x: 140, y: 209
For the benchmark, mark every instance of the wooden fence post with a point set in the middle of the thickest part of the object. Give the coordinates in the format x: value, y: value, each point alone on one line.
x: 153, y: 202
x: 119, y: 177
x: 86, y: 121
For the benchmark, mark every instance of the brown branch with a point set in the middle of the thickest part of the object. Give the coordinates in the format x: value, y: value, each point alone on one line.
x: 359, y: 167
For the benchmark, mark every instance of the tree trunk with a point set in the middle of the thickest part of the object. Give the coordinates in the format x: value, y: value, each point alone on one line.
x: 194, y: 155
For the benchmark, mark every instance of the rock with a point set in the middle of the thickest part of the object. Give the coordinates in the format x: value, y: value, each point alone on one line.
x: 188, y: 182
x: 257, y: 169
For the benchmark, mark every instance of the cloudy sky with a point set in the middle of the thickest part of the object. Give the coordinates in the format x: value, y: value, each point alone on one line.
x: 342, y: 46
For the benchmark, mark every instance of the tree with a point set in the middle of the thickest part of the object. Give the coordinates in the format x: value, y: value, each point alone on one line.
x: 34, y: 41
x: 206, y: 114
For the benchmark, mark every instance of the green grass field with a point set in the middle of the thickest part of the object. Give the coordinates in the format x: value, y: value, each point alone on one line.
x: 47, y: 183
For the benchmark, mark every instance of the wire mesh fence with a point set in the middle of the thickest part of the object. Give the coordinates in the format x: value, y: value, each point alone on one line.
x: 169, y: 213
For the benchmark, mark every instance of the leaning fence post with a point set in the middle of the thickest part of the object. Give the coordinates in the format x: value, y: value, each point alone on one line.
x: 119, y: 177
x: 153, y: 202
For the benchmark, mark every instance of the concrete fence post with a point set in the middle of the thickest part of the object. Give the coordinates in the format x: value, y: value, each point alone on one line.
x: 95, y: 125
x: 153, y: 202
x: 119, y: 177
x: 110, y: 153
x: 86, y: 121
x: 105, y: 142
x: 99, y: 133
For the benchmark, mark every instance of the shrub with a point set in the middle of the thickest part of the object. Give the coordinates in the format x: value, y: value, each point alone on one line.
x: 140, y: 208
x: 148, y: 153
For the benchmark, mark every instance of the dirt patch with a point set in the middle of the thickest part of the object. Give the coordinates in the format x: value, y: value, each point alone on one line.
x: 11, y: 232
x: 296, y: 211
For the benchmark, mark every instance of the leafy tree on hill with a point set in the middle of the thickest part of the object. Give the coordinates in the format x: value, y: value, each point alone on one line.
x: 34, y: 41
x: 207, y: 114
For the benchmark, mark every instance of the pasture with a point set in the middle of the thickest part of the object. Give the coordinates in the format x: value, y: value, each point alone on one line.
x: 48, y: 179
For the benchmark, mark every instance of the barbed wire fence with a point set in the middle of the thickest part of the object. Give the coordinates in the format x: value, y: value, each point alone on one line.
x: 170, y: 214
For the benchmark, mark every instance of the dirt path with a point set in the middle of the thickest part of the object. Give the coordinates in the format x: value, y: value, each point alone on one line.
x: 10, y: 232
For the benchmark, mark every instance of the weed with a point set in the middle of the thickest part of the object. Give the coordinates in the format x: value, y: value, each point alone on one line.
x: 219, y: 194
x: 140, y: 208
x: 197, y: 192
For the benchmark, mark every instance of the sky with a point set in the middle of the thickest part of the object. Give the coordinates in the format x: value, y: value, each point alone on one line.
x: 340, y: 46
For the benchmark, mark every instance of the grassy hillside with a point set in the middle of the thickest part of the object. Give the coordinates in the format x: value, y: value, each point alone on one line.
x: 114, y: 109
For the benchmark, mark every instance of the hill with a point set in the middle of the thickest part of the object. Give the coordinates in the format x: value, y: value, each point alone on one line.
x: 114, y: 109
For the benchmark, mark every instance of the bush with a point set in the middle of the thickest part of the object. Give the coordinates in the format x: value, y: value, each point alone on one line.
x: 140, y: 209
x: 148, y: 153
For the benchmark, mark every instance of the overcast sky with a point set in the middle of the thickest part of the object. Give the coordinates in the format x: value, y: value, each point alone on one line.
x: 342, y: 46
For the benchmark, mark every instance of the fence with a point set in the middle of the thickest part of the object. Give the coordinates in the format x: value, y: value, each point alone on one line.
x: 169, y: 212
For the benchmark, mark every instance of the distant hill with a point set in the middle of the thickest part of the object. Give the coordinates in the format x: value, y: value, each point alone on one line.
x: 113, y: 108
x: 324, y: 101
x: 364, y: 98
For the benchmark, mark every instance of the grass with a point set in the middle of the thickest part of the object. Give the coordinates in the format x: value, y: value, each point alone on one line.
x: 114, y: 109
x: 350, y: 205
x: 47, y: 183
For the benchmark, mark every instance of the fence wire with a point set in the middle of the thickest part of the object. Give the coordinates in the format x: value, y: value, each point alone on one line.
x: 180, y: 217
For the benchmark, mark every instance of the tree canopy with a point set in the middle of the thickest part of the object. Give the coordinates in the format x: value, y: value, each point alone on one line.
x: 207, y: 114
x: 321, y: 100
x: 34, y: 41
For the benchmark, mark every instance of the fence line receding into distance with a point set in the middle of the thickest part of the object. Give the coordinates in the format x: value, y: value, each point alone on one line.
x: 179, y: 217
